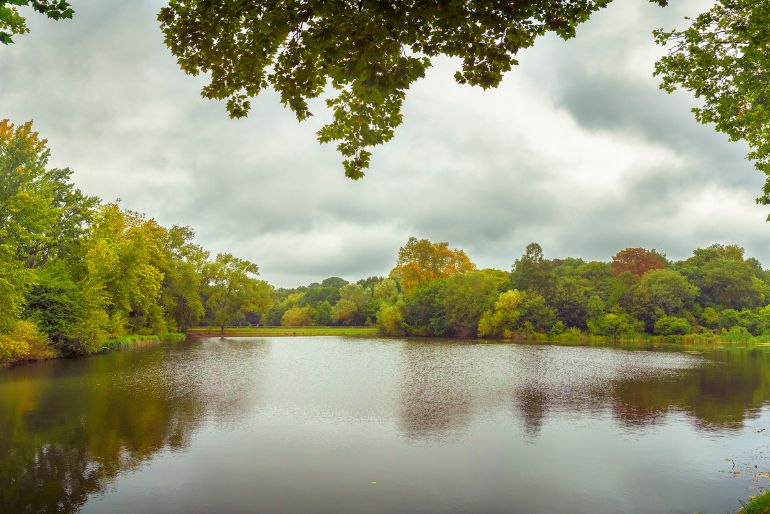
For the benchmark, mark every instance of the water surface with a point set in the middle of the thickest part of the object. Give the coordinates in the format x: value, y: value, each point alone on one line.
x: 326, y: 424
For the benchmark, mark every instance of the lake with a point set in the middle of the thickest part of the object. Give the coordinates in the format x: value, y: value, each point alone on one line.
x: 327, y: 424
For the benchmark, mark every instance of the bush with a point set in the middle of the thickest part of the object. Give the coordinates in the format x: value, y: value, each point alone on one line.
x: 390, y: 321
x: 297, y: 317
x: 672, y: 326
x: 22, y: 343
x: 615, y: 326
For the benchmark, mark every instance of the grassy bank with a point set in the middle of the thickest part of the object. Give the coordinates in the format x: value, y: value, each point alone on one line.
x: 758, y: 505
x: 283, y: 331
x: 136, y: 341
x: 35, y: 347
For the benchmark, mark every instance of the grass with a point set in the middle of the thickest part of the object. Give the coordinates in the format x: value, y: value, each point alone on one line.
x: 284, y: 331
x: 758, y: 504
x: 135, y: 340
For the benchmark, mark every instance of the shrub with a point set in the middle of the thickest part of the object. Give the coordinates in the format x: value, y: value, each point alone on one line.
x: 672, y: 326
x: 390, y: 321
x: 23, y: 342
x: 615, y: 326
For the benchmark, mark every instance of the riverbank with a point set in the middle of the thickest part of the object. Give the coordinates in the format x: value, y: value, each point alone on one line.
x: 758, y: 505
x: 282, y: 331
x: 41, y: 349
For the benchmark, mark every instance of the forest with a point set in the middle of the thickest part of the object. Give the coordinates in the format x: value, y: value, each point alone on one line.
x: 79, y: 276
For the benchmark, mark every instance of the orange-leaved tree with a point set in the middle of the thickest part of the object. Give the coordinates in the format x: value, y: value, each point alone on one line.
x: 421, y: 261
x: 637, y: 261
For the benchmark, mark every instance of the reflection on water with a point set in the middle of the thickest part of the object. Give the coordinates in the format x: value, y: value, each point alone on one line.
x: 315, y: 424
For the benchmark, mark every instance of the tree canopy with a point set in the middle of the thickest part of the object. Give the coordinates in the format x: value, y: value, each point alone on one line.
x: 364, y: 54
x: 12, y: 23
x: 724, y: 59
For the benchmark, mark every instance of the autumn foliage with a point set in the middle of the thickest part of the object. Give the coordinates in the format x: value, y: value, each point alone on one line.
x: 636, y: 261
x: 421, y: 261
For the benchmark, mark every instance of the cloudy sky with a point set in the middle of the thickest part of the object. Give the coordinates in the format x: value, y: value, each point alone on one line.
x: 577, y: 150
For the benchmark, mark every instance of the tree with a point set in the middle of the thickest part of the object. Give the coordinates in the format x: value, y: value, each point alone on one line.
x: 230, y: 289
x: 661, y: 292
x: 615, y: 326
x: 465, y: 297
x: 297, y: 317
x: 724, y: 59
x: 41, y: 211
x: 180, y: 293
x: 13, y: 23
x: 349, y: 309
x: 671, y: 325
x: 516, y: 311
x: 637, y: 261
x: 421, y: 261
x: 369, y: 52
x: 533, y: 272
x: 390, y: 320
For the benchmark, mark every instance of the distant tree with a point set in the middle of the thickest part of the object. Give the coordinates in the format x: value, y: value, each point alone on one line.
x: 516, y: 311
x: 297, y: 317
x: 671, y: 325
x: 421, y: 261
x: 230, y: 289
x: 637, y: 261
x: 571, y: 302
x: 390, y: 320
x: 464, y: 298
x: 386, y: 291
x: 13, y: 23
x: 335, y: 282
x: 615, y: 326
x: 533, y: 273
x: 349, y: 309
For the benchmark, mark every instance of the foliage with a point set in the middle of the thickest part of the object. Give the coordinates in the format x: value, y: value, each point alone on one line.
x: 13, y: 23
x: 671, y: 325
x: 516, y: 311
x: 230, y: 289
x: 421, y: 261
x: 370, y: 53
x: 23, y: 342
x: 390, y: 320
x: 637, y: 261
x: 297, y: 317
x: 759, y: 504
x: 615, y: 326
x: 723, y: 58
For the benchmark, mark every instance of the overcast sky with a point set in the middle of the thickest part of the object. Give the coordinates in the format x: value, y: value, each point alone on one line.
x: 577, y: 149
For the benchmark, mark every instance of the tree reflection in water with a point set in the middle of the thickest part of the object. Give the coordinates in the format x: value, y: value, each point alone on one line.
x: 63, y: 439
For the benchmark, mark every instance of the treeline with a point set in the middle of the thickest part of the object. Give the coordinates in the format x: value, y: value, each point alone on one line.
x: 715, y: 292
x: 77, y: 274
x: 437, y: 291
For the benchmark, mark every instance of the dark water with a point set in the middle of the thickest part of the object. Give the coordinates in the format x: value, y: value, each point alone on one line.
x: 353, y: 425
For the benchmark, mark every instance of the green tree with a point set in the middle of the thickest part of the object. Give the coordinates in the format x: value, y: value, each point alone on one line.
x: 671, y: 325
x: 13, y: 23
x: 421, y: 261
x: 297, y: 317
x: 615, y: 326
x: 369, y: 52
x: 532, y: 272
x: 390, y: 320
x: 723, y: 58
x: 230, y: 289
x: 349, y: 310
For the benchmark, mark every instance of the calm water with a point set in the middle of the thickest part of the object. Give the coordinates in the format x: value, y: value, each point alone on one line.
x: 356, y: 425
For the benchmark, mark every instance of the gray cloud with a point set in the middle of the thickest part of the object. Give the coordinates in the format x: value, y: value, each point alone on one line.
x: 577, y: 149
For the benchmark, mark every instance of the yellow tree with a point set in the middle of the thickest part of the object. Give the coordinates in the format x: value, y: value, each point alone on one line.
x: 421, y: 261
